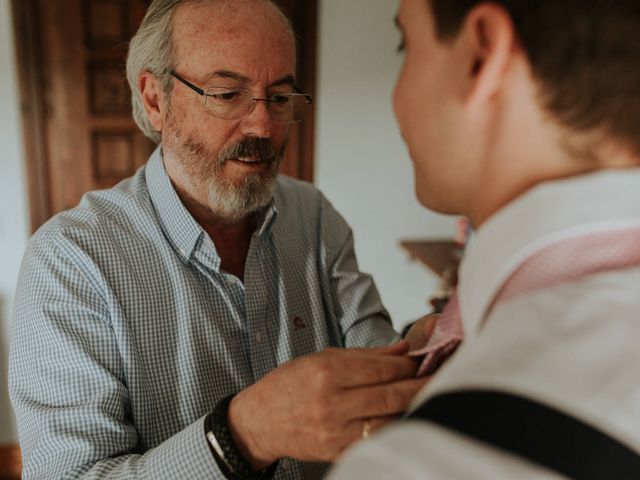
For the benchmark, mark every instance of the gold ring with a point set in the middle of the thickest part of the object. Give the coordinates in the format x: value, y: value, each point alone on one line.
x: 366, y: 426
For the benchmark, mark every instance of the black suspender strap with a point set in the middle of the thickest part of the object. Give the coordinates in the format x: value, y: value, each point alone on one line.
x: 534, y: 431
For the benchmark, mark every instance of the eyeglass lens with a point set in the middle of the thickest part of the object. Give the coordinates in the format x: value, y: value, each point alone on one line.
x: 231, y: 105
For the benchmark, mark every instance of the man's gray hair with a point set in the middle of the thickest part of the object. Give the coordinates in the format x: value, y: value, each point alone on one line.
x: 151, y: 49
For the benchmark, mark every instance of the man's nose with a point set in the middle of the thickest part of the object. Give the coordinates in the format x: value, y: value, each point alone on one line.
x: 259, y: 122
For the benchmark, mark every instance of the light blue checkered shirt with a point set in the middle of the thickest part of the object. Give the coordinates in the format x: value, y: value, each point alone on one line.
x: 126, y: 331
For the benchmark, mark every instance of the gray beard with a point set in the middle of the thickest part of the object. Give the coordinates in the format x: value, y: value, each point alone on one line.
x: 232, y: 202
x: 228, y: 202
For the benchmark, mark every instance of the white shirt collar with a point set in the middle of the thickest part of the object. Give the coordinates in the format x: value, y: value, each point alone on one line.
x: 545, y: 214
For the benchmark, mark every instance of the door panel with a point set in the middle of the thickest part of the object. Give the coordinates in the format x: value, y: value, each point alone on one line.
x: 91, y: 139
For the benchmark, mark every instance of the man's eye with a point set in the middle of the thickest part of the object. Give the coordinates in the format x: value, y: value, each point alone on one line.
x: 226, y: 96
x: 280, y: 98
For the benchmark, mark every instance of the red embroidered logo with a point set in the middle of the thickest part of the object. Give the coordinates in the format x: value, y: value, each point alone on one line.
x: 298, y: 323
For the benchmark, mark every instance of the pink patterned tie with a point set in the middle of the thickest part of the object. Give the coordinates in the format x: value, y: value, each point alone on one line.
x: 563, y: 261
x: 444, y: 340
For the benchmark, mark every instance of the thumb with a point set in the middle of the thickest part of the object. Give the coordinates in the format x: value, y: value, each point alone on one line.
x: 419, y: 334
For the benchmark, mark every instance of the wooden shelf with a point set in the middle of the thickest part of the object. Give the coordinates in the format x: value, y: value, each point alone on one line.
x: 442, y: 257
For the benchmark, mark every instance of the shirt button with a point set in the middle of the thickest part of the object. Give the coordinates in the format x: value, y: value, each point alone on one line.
x: 258, y: 337
x: 286, y: 463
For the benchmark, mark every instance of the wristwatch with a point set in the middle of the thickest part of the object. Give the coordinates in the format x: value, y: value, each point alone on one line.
x: 224, y: 450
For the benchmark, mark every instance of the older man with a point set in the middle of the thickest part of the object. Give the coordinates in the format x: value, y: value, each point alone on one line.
x: 156, y: 323
x: 546, y: 94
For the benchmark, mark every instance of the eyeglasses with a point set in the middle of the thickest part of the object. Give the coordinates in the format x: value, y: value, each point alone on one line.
x: 234, y: 103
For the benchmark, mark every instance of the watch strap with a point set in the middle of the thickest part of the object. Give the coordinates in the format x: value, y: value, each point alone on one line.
x: 229, y: 459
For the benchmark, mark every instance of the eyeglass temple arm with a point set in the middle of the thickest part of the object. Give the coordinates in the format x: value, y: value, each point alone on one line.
x: 307, y: 96
x: 198, y: 90
x: 201, y: 92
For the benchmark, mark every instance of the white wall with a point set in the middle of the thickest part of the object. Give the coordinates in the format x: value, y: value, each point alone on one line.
x: 14, y: 220
x: 361, y: 163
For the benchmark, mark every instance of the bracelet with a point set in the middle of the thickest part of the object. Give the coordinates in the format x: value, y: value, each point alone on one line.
x: 231, y: 462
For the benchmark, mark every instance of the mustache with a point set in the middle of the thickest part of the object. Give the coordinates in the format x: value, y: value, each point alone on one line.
x: 249, y: 147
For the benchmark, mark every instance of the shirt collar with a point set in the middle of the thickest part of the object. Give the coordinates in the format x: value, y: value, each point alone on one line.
x: 179, y: 226
x: 266, y: 218
x: 177, y: 223
x: 545, y: 214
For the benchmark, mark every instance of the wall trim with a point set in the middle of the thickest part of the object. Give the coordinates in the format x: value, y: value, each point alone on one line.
x: 10, y: 462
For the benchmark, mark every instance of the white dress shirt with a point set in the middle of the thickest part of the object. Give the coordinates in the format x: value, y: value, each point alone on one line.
x: 573, y: 346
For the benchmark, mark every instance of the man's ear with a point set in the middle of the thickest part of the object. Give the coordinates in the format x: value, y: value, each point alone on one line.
x: 489, y: 40
x: 153, y: 99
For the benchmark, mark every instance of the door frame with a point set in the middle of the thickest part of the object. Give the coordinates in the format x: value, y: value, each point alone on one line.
x: 30, y: 65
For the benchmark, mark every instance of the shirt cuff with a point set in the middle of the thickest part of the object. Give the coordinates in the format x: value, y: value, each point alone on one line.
x: 185, y: 455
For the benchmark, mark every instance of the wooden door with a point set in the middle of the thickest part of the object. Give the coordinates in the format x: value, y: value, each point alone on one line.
x: 303, y: 15
x: 79, y: 134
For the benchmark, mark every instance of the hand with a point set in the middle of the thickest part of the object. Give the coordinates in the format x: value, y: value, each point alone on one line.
x: 313, y: 407
x: 419, y: 333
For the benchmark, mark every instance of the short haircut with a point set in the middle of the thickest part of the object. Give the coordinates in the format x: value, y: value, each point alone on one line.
x: 585, y: 55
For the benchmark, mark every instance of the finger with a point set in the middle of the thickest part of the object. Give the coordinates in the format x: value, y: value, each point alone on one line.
x: 429, y: 325
x: 399, y: 348
x: 362, y: 368
x: 350, y: 433
x: 380, y: 400
x: 421, y: 331
x: 355, y: 430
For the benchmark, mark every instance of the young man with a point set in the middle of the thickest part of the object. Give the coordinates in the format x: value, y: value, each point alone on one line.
x: 169, y: 327
x: 524, y: 116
